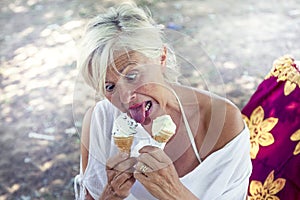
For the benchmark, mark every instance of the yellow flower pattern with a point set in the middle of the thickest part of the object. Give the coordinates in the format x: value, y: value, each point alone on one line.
x: 284, y: 69
x: 296, y: 137
x: 268, y: 190
x: 286, y: 73
x: 260, y: 130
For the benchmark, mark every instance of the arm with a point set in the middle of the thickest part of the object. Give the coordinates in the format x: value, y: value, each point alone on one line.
x: 161, y: 179
x: 85, y: 140
x: 159, y: 176
x: 120, y: 179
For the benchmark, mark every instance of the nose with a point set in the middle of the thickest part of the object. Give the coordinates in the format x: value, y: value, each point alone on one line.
x: 126, y: 95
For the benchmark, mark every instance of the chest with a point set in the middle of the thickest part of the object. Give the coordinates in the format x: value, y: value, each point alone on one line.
x: 186, y: 163
x: 180, y: 150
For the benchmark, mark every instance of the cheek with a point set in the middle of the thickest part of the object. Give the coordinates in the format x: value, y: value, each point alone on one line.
x: 146, y: 89
x: 152, y: 89
x: 108, y: 96
x: 115, y: 100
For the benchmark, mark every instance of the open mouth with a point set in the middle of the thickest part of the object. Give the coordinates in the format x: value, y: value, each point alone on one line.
x: 139, y: 112
x: 148, y: 105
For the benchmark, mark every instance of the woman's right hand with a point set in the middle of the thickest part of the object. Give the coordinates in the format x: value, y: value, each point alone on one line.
x: 119, y: 170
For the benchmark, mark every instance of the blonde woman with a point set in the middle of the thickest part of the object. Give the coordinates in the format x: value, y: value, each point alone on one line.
x: 123, y: 57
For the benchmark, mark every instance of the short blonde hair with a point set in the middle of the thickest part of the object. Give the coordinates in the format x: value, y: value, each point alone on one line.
x: 125, y: 27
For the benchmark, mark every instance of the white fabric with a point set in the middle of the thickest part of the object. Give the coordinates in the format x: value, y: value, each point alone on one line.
x: 188, y: 129
x: 223, y: 175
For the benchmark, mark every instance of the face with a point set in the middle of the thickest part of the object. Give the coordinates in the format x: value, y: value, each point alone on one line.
x: 136, y: 86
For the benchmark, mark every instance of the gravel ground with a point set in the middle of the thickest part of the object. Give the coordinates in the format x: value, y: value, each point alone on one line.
x: 39, y: 134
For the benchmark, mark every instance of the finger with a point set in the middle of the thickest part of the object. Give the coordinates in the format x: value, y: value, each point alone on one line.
x: 150, y: 161
x: 128, y: 183
x: 115, y: 160
x: 118, y: 182
x: 148, y: 148
x: 156, y: 153
x: 143, y: 168
x: 147, y: 182
x: 110, y: 175
x: 124, y: 189
x: 126, y: 165
x: 140, y: 177
x: 154, y: 184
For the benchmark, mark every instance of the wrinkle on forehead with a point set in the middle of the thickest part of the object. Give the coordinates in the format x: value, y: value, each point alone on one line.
x: 121, y: 60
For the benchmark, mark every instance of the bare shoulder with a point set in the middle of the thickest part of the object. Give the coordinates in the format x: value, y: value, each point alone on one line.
x: 233, y: 125
x: 223, y: 122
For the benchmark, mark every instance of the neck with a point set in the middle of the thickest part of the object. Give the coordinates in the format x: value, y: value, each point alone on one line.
x: 173, y: 105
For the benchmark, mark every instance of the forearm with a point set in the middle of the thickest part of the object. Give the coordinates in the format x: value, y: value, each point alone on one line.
x: 185, y: 193
x: 179, y: 192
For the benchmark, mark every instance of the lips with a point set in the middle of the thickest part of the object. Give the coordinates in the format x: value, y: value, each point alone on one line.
x: 139, y: 112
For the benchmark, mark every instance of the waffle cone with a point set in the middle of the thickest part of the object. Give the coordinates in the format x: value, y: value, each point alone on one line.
x: 163, y: 136
x: 123, y: 143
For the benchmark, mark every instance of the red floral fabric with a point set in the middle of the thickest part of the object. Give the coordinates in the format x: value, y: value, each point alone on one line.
x: 273, y: 117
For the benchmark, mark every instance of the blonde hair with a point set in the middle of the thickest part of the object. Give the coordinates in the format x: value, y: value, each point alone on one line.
x: 125, y: 27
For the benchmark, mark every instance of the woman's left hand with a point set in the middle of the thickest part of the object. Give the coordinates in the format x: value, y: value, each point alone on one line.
x: 157, y: 173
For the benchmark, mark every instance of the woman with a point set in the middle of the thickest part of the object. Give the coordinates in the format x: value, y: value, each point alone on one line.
x: 124, y: 59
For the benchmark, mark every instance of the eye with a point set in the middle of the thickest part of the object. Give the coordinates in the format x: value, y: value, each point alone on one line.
x: 131, y: 76
x: 109, y: 87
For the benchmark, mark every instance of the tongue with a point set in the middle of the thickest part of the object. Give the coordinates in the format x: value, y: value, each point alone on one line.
x: 138, y: 113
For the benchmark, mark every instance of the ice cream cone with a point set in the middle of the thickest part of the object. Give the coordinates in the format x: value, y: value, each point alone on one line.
x: 163, y: 128
x: 163, y: 136
x: 123, y: 132
x: 123, y: 143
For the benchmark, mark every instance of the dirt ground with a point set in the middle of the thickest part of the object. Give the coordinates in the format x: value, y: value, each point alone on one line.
x: 39, y: 140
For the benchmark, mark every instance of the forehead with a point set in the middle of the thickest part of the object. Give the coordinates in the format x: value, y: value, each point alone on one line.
x: 121, y: 60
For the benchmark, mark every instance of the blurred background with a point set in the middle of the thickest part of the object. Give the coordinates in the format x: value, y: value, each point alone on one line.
x: 39, y: 140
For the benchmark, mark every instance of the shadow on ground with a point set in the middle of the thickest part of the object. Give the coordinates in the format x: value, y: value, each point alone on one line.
x: 39, y: 137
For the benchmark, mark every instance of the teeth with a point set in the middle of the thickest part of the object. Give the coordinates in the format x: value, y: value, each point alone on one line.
x: 148, y: 105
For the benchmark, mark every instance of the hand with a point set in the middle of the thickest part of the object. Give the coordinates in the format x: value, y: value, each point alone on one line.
x: 157, y: 173
x: 119, y: 170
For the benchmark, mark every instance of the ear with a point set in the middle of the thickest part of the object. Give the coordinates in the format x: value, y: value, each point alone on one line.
x: 163, y: 57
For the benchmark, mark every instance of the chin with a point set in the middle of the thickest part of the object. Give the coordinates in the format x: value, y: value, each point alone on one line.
x: 147, y: 121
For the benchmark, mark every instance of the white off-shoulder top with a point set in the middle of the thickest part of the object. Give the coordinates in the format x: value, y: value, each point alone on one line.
x: 222, y: 175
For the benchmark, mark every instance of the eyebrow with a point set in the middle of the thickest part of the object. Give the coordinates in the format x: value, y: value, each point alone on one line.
x: 125, y: 66
x: 122, y: 69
